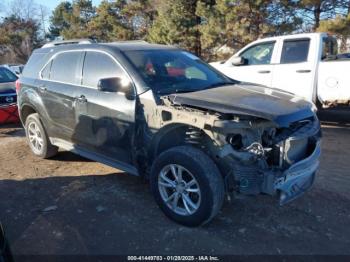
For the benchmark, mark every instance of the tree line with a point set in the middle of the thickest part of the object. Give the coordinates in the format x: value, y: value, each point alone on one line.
x: 200, y: 26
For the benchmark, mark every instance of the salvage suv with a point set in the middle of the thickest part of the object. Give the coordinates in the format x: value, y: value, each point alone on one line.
x: 162, y: 113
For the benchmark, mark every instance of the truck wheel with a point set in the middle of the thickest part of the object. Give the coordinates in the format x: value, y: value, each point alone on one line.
x: 187, y: 185
x: 37, y: 138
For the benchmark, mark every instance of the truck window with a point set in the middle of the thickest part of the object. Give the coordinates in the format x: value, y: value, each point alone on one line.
x: 259, y: 54
x: 329, y: 48
x: 98, y: 66
x: 295, y: 51
x: 64, y: 67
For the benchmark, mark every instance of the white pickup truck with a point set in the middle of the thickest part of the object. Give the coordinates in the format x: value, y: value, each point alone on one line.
x: 304, y: 64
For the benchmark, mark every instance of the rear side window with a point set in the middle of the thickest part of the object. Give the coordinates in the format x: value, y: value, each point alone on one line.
x: 6, y: 75
x: 45, y: 73
x: 64, y: 67
x: 98, y: 66
x: 295, y: 51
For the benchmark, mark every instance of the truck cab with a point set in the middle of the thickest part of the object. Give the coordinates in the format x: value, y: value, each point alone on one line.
x: 306, y: 65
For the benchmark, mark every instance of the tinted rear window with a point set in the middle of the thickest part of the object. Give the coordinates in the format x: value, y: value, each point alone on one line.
x: 64, y: 67
x: 34, y: 64
x: 295, y: 51
x: 7, y: 76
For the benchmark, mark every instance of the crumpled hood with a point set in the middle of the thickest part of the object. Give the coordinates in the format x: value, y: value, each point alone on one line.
x: 247, y: 99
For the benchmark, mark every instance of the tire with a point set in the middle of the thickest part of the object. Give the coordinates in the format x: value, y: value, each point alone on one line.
x: 37, y: 138
x: 191, y: 163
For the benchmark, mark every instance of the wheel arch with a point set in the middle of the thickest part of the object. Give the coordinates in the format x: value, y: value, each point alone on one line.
x: 25, y: 111
x: 175, y: 134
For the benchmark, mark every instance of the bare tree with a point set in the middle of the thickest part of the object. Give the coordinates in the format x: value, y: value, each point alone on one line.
x: 24, y: 9
x: 29, y: 10
x: 43, y: 15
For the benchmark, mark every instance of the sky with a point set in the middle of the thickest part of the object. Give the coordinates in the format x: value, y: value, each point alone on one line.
x: 51, y: 4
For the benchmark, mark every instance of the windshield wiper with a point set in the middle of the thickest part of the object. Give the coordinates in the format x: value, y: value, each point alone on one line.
x: 177, y: 90
x: 193, y: 89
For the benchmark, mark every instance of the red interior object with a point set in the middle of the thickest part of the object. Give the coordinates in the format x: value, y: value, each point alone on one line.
x: 9, y: 114
x: 173, y: 71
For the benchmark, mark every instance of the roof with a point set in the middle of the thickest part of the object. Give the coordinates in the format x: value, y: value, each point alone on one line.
x: 84, y: 44
x: 299, y: 35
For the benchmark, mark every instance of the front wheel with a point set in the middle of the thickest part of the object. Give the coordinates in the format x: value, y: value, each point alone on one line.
x: 187, y: 185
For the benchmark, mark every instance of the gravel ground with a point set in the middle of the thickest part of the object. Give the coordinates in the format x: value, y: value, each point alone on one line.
x: 70, y: 205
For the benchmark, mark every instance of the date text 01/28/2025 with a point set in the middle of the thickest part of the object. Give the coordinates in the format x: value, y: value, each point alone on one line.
x: 173, y: 258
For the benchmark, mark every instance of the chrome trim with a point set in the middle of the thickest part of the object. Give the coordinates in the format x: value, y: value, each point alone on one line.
x: 85, y: 50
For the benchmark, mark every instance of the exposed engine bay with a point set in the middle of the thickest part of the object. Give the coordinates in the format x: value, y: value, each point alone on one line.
x: 255, y: 155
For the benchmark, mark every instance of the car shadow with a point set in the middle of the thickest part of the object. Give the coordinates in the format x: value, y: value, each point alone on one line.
x: 12, y: 130
x: 68, y: 156
x: 11, y: 125
x: 338, y: 116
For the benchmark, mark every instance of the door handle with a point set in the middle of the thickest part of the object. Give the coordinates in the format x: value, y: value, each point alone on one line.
x: 303, y: 71
x: 81, y: 99
x: 42, y: 88
x: 264, y: 72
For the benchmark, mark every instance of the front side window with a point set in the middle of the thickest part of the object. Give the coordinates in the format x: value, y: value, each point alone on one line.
x: 64, y: 67
x: 99, y: 66
x: 167, y: 71
x: 6, y: 75
x: 295, y: 51
x: 259, y: 54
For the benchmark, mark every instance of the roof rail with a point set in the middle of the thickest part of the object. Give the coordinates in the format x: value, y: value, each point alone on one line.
x: 130, y: 41
x: 68, y: 42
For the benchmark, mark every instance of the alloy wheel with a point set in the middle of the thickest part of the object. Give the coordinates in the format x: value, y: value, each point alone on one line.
x: 179, y: 189
x: 35, y: 137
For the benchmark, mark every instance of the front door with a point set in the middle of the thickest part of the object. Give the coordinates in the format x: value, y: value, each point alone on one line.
x: 257, y: 68
x: 104, y: 120
x: 295, y: 71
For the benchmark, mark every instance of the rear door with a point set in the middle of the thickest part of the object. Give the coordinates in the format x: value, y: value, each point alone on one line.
x: 258, y: 67
x: 105, y: 120
x: 295, y: 71
x: 58, y: 87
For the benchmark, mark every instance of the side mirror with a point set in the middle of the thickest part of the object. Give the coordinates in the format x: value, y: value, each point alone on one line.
x: 115, y: 84
x: 237, y: 60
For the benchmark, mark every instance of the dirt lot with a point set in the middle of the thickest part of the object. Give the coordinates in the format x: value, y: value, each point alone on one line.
x: 70, y: 205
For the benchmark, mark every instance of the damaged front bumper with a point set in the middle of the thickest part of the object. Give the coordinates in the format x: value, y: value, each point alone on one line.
x: 299, y: 177
x: 288, y: 170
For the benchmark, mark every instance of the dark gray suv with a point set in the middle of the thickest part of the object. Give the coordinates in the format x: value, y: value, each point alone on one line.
x: 162, y: 113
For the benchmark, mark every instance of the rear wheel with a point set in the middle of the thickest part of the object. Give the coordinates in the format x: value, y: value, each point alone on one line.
x: 37, y: 138
x: 187, y: 185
